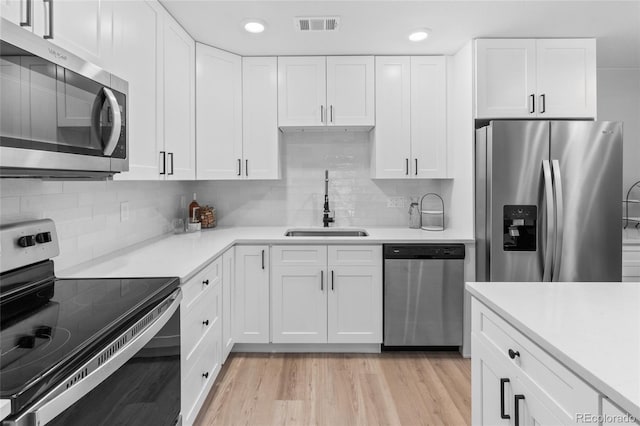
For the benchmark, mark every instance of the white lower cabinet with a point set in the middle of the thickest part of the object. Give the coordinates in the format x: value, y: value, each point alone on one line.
x: 228, y: 298
x: 326, y: 294
x: 515, y: 382
x: 201, y: 337
x: 251, y: 288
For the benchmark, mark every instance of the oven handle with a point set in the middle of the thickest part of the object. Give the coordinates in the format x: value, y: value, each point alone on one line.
x: 59, y: 399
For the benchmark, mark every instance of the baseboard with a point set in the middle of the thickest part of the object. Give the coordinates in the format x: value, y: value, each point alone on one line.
x: 368, y: 348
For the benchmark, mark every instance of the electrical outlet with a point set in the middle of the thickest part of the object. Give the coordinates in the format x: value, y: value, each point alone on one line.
x: 124, y: 211
x: 395, y: 202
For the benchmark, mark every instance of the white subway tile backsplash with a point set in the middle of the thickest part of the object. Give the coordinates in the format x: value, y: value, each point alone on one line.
x: 87, y: 213
x: 297, y: 199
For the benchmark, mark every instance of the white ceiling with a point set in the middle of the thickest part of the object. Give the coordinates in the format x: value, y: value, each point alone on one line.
x: 382, y: 27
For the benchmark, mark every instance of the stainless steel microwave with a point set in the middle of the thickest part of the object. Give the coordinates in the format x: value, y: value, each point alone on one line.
x: 60, y: 116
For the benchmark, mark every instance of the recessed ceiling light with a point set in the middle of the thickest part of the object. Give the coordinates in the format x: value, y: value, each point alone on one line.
x: 254, y: 26
x: 419, y: 35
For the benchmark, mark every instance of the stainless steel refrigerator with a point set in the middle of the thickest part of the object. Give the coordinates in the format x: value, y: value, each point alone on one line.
x: 548, y: 201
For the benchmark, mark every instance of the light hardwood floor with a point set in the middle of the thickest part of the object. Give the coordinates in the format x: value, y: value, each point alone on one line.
x: 407, y: 388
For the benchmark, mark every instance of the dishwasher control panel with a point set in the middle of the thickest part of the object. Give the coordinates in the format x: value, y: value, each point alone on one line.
x: 424, y: 251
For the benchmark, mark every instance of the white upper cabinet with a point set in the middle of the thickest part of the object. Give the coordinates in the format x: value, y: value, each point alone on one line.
x: 137, y: 57
x: 179, y: 102
x: 301, y: 91
x: 314, y: 91
x: 566, y: 78
x: 392, y: 134
x: 237, y: 109
x: 428, y: 116
x: 219, y: 113
x: 505, y: 78
x: 350, y: 91
x: 260, y: 133
x: 528, y: 78
x: 409, y: 140
x: 73, y: 25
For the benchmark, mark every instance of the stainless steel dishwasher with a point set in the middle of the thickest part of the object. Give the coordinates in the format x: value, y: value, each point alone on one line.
x: 423, y: 295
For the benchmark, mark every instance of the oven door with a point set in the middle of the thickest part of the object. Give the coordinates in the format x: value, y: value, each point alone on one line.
x: 133, y: 381
x: 54, y: 118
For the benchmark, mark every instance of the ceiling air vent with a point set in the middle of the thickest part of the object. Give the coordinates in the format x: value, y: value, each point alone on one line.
x: 317, y: 23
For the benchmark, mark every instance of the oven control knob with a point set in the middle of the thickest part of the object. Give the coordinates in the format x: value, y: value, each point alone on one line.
x: 26, y: 342
x: 43, y: 237
x: 27, y: 241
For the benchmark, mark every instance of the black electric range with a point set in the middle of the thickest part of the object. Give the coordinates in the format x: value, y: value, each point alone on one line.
x: 51, y: 327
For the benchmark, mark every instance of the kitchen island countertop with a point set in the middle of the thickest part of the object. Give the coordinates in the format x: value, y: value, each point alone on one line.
x: 591, y: 328
x: 184, y: 255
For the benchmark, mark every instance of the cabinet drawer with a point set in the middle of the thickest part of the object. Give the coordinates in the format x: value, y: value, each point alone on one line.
x: 201, y: 316
x: 299, y: 255
x: 197, y: 286
x: 355, y: 255
x: 201, y: 373
x: 567, y: 390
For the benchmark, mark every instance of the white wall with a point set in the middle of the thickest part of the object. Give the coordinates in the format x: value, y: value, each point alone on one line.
x: 87, y: 214
x: 297, y: 199
x: 619, y: 100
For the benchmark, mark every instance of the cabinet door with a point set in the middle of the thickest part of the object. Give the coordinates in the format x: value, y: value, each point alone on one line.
x: 566, y: 78
x: 228, y: 299
x: 350, y: 91
x: 15, y: 11
x: 531, y: 410
x: 260, y: 134
x: 492, y: 382
x: 251, y: 313
x: 77, y: 27
x: 299, y: 304
x: 219, y: 110
x: 136, y: 49
x: 301, y: 91
x: 392, y: 134
x: 428, y: 117
x: 179, y: 101
x: 505, y: 78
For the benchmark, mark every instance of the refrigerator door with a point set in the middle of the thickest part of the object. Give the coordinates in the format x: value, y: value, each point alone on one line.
x: 587, y: 167
x: 515, y: 151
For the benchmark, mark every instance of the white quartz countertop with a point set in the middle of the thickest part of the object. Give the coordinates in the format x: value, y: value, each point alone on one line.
x: 183, y: 255
x: 591, y: 328
x: 5, y: 408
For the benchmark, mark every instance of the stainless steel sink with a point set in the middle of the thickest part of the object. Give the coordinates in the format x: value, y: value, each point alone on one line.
x: 328, y: 232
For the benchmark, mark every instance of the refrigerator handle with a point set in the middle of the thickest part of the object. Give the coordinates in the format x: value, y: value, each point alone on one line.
x: 557, y: 186
x: 551, y: 224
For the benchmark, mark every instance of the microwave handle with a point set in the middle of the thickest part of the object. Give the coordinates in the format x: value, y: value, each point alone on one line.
x: 114, y: 137
x: 60, y: 398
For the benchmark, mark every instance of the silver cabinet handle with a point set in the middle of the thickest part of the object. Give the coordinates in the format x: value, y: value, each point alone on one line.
x: 239, y: 167
x: 557, y: 186
x: 163, y: 162
x: 50, y: 35
x: 27, y: 22
x: 331, y: 110
x: 171, y: 162
x: 322, y: 113
x: 416, y: 173
x: 551, y: 224
x: 246, y: 167
x: 116, y: 127
x: 321, y: 280
x: 532, y: 103
x: 543, y: 104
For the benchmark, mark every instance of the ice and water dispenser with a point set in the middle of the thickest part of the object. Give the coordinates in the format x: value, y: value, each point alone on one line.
x: 519, y: 228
